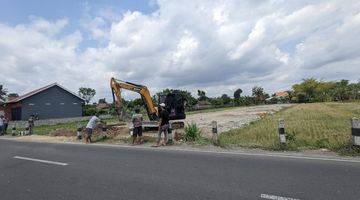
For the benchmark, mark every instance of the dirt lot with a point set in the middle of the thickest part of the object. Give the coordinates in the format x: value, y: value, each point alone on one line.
x: 233, y: 118
x: 227, y: 120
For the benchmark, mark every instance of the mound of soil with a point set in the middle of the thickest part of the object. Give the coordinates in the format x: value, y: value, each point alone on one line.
x: 110, y: 131
x: 62, y: 132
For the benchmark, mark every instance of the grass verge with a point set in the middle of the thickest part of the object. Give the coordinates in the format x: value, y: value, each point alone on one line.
x: 71, y: 126
x: 307, y: 126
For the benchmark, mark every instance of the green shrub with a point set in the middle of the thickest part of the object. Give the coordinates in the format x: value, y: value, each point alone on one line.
x: 322, y: 143
x: 89, y: 111
x: 290, y: 137
x: 192, y: 132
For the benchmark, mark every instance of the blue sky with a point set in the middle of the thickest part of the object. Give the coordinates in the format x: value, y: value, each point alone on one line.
x: 15, y: 12
x: 18, y: 11
x: 216, y: 46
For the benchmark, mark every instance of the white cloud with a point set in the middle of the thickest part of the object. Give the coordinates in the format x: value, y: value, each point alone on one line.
x: 212, y: 45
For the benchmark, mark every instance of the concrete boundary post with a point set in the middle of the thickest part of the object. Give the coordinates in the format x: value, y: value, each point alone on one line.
x: 215, y: 136
x: 170, y: 135
x: 355, y: 131
x: 281, y: 128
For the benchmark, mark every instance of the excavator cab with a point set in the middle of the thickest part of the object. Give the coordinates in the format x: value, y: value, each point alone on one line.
x: 174, y: 104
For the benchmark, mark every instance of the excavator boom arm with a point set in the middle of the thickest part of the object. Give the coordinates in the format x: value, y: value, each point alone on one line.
x: 117, y: 85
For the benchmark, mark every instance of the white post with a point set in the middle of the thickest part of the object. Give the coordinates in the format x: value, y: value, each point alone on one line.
x: 215, y: 137
x: 281, y: 128
x: 355, y: 131
x: 170, y: 136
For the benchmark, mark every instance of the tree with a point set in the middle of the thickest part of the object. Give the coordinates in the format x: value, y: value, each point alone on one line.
x: 354, y: 90
x: 225, y: 99
x: 87, y: 94
x: 3, y: 93
x: 237, y: 93
x: 13, y: 95
x: 102, y: 101
x: 202, y: 95
x: 342, y: 90
x: 259, y: 94
x: 189, y: 99
x: 135, y: 103
x: 308, y: 88
x: 217, y: 101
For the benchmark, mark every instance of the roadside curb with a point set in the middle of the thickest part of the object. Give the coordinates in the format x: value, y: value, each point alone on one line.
x: 217, y: 151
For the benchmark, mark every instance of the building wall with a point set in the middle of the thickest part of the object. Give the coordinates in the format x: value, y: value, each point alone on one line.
x: 52, y: 103
x: 8, y: 108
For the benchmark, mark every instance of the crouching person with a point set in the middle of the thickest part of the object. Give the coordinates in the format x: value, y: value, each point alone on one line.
x: 91, y: 125
x: 137, y: 119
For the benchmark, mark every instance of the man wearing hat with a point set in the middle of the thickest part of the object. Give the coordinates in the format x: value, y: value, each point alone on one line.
x: 163, y: 124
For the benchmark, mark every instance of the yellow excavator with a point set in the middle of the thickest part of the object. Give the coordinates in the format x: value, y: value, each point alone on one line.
x: 174, y: 102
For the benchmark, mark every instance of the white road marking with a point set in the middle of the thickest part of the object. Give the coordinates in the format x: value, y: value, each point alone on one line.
x: 274, y: 197
x: 43, y: 161
x: 275, y: 155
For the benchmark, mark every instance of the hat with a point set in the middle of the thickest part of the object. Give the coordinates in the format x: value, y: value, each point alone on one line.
x: 162, y: 105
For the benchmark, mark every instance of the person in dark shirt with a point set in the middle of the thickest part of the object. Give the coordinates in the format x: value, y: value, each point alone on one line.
x: 163, y: 125
x: 6, y: 123
x: 137, y: 120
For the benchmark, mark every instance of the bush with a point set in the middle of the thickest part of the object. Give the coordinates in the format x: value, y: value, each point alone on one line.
x: 322, y: 143
x: 192, y: 132
x: 290, y: 137
x: 89, y: 111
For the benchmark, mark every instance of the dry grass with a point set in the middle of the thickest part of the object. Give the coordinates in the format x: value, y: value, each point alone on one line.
x: 310, y: 126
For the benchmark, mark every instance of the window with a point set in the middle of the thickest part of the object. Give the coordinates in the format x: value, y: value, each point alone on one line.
x: 62, y: 104
x: 75, y: 103
x: 31, y: 104
x: 48, y: 104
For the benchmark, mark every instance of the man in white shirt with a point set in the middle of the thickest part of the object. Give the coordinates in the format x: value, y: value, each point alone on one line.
x: 90, y: 127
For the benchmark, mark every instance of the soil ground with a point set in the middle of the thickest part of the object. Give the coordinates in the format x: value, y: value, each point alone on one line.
x: 227, y: 119
x: 232, y: 118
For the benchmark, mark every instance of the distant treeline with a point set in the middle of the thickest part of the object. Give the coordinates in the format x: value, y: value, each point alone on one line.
x: 309, y: 90
x: 313, y: 90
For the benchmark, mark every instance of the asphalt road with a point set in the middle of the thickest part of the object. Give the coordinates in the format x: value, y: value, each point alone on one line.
x: 96, y: 172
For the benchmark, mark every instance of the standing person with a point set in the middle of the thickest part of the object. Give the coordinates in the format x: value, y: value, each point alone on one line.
x: 90, y: 127
x: 163, y: 125
x: 137, y: 119
x: 1, y: 125
x: 31, y: 124
x: 6, y: 123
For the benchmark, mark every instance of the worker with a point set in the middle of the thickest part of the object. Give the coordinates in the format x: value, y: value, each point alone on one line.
x: 137, y: 119
x: 90, y: 127
x: 163, y: 125
x: 1, y: 125
x: 6, y: 124
x: 31, y: 124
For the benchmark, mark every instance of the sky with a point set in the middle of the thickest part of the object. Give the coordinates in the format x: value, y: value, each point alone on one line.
x: 216, y: 46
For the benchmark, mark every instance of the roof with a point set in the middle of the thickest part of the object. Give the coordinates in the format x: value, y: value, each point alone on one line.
x: 22, y: 97
x: 282, y: 94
